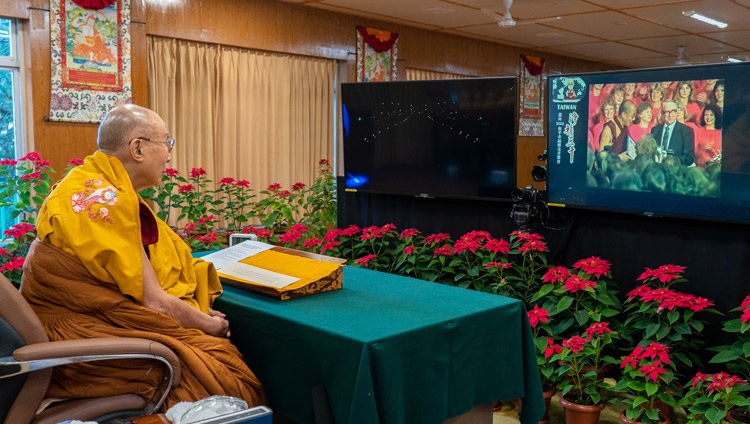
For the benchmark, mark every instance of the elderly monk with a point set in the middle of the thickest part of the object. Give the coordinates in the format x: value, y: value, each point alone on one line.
x: 105, y: 265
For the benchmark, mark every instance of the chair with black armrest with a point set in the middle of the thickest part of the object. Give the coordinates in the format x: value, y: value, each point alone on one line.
x: 27, y: 357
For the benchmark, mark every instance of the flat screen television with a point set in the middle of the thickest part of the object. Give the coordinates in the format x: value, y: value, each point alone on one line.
x: 443, y: 138
x: 680, y: 145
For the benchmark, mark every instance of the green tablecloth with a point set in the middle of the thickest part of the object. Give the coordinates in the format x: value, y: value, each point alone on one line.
x: 387, y: 349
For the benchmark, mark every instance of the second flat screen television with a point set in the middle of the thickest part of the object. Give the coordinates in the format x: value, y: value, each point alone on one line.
x: 679, y: 147
x: 444, y: 138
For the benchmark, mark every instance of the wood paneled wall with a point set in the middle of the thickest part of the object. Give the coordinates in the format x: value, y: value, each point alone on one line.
x: 59, y: 142
x: 268, y: 25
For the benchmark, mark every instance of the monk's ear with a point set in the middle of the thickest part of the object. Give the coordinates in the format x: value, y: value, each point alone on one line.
x: 135, y: 149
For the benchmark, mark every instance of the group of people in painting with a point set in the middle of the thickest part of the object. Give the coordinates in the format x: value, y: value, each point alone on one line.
x: 671, y: 130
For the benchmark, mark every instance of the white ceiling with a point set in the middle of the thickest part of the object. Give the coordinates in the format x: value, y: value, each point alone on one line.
x: 626, y: 33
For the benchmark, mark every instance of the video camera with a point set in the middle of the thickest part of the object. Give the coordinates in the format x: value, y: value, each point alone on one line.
x: 525, y: 205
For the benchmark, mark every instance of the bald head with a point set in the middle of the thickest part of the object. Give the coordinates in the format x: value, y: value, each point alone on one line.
x: 124, y: 123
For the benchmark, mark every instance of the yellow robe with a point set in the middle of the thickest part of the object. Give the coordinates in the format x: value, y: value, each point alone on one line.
x: 83, y: 278
x: 93, y: 214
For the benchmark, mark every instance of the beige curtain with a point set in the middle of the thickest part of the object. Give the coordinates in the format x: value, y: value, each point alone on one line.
x: 414, y: 74
x: 263, y: 117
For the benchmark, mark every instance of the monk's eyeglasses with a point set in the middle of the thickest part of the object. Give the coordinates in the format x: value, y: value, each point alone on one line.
x: 169, y: 142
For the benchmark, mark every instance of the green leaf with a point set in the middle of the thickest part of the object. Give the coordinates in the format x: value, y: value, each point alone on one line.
x: 725, y: 356
x: 715, y: 415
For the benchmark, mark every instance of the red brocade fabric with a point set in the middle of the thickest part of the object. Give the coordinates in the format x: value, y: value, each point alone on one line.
x: 94, y: 4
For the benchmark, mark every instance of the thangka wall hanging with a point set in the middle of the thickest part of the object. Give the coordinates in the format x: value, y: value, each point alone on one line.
x: 90, y: 58
x: 376, y: 54
x: 531, y: 118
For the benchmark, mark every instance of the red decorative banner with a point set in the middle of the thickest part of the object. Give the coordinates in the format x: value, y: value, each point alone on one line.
x: 376, y: 54
x: 94, y: 4
x: 379, y: 40
x: 533, y: 64
x: 531, y: 96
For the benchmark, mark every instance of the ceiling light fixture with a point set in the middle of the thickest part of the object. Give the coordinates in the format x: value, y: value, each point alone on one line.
x: 703, y: 18
x: 733, y: 59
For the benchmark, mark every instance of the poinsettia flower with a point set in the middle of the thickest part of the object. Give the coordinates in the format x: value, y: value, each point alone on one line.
x: 290, y: 237
x: 298, y: 186
x: 226, y: 181
x: 409, y: 249
x: 639, y: 291
x: 8, y: 162
x: 498, y: 246
x: 653, y: 371
x: 333, y: 234
x: 633, y: 358
x: 243, y: 183
x: 274, y: 187
x: 197, y: 172
x: 329, y: 246
x: 576, y: 283
x: 171, y: 172
x: 32, y: 156
x: 745, y: 316
x: 14, y: 264
x: 443, y: 251
x: 594, y: 266
x: 556, y: 274
x: 696, y: 303
x: 498, y: 265
x: 575, y: 343
x: 597, y: 329
x: 388, y: 228
x: 533, y: 246
x: 409, y: 233
x: 371, y: 232
x: 551, y: 348
x: 464, y: 244
x: 537, y: 315
x: 312, y: 242
x: 435, y: 238
x: 32, y: 176
x: 20, y: 230
x: 526, y: 236
x: 208, y: 238
x: 699, y: 376
x: 350, y: 231
x: 364, y: 260
x: 657, y: 351
x: 75, y: 162
x: 186, y: 188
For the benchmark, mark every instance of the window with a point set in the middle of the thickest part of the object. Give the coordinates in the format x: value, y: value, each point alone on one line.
x: 11, y: 145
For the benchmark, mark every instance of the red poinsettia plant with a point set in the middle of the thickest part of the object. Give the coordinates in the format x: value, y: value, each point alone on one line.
x: 579, y: 296
x: 656, y: 312
x: 546, y: 347
x: 647, y: 376
x: 581, y: 360
x: 712, y: 396
x: 736, y: 356
x: 24, y: 184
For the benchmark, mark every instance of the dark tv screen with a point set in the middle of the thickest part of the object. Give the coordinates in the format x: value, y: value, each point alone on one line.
x: 445, y: 138
x: 678, y: 143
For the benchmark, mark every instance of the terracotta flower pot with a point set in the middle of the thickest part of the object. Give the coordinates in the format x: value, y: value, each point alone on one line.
x: 547, y: 398
x: 625, y: 420
x: 738, y: 415
x: 581, y: 414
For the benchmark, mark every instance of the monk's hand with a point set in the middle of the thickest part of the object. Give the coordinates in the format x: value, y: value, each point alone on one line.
x: 219, y: 324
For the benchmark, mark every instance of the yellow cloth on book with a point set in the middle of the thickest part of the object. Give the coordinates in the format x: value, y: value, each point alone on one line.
x: 306, y: 269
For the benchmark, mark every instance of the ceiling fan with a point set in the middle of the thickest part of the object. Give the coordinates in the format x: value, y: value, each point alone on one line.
x: 506, y: 20
x: 683, y: 59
